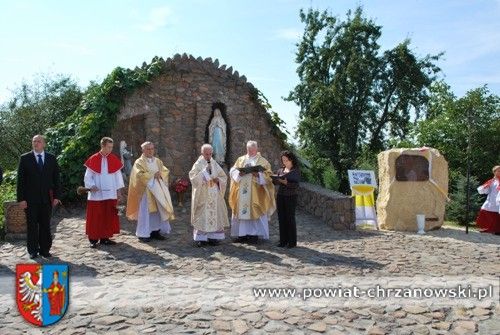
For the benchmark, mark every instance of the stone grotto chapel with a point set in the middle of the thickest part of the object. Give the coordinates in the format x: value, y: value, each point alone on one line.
x: 195, y: 101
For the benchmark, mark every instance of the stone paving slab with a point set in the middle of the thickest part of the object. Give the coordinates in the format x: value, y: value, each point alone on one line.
x: 173, y: 287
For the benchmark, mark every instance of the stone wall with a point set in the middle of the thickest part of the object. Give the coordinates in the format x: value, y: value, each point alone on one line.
x: 15, y: 221
x: 174, y: 110
x: 335, y: 209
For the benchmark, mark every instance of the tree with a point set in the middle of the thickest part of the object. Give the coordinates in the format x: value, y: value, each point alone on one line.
x: 453, y: 121
x: 350, y: 96
x: 33, y: 108
x: 337, y: 66
x: 456, y: 209
x: 402, y: 88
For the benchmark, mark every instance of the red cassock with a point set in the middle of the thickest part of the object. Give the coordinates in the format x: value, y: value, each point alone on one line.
x: 102, y: 215
x: 487, y: 220
x: 56, y: 298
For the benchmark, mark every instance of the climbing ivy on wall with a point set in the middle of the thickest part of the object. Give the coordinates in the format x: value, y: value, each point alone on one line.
x: 74, y: 139
x: 278, y: 125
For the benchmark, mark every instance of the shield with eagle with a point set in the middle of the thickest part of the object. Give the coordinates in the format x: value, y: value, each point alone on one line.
x: 42, y: 292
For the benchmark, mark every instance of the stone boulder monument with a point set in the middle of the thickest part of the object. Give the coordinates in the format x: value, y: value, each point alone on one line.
x: 411, y: 182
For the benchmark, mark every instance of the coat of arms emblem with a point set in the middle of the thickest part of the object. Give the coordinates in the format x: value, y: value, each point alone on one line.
x: 42, y: 292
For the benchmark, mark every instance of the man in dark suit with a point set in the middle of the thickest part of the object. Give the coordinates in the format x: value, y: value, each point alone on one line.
x: 38, y: 189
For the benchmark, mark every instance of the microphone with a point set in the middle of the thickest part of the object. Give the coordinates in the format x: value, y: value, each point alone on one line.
x: 209, y: 167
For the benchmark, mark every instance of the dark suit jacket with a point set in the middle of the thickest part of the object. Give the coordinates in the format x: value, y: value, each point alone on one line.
x: 35, y: 186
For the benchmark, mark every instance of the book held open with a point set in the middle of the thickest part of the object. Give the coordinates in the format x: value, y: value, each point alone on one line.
x: 250, y: 169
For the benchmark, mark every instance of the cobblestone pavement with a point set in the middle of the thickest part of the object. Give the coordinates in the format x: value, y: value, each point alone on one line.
x: 173, y: 287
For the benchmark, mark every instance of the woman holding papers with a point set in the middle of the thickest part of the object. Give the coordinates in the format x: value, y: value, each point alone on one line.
x: 288, y: 178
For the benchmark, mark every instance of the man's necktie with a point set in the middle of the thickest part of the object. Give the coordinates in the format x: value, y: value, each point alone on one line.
x: 40, y: 162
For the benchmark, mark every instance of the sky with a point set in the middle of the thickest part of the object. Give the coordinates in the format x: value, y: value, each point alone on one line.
x: 87, y: 39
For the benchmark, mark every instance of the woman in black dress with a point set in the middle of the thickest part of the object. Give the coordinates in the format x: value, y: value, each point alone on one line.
x: 288, y: 179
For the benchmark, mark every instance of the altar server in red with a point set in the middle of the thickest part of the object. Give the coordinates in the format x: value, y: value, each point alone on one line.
x: 489, y: 217
x: 104, y: 179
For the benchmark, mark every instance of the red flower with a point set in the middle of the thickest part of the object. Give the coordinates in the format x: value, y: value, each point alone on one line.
x: 180, y: 185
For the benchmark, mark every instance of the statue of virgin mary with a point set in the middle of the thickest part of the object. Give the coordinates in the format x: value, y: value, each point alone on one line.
x: 217, y: 136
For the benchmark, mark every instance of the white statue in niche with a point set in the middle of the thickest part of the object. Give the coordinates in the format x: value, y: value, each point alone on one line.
x: 126, y: 158
x: 217, y: 136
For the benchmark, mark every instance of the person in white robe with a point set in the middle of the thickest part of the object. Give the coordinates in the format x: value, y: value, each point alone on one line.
x: 488, y: 218
x: 209, y: 215
x: 104, y: 180
x: 149, y: 199
x: 251, y: 197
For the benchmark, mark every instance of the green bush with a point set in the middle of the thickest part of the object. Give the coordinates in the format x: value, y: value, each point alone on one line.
x: 456, y: 209
x: 366, y: 160
x: 7, y: 193
x: 312, y: 167
x: 330, y: 179
x: 76, y: 138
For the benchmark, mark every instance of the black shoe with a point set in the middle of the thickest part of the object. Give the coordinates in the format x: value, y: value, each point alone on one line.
x: 33, y: 255
x: 253, y: 239
x: 497, y: 233
x: 200, y: 244
x: 241, y: 239
x: 281, y: 245
x: 289, y: 246
x: 144, y: 239
x: 93, y: 244
x: 157, y: 236
x: 107, y: 241
x: 46, y: 255
x: 213, y: 242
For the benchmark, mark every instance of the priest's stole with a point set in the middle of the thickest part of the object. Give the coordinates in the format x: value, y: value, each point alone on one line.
x: 245, y: 197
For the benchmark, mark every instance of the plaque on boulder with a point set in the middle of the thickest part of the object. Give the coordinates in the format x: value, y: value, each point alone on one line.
x: 411, y: 182
x: 412, y: 168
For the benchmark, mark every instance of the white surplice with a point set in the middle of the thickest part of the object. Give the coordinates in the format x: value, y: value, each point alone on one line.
x: 148, y: 222
x: 241, y: 224
x: 107, y: 183
x: 492, y: 203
